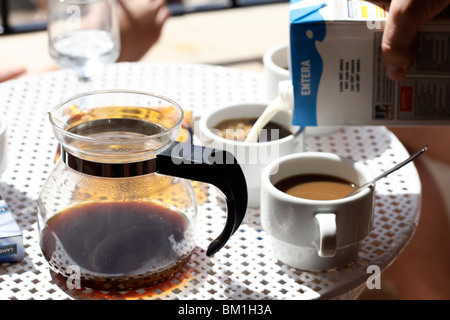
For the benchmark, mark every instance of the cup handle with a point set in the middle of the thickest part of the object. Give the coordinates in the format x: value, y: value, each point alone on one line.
x: 326, y: 223
x: 214, y: 166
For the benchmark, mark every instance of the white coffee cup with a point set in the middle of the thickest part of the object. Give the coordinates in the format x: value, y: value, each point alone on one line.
x: 276, y: 68
x: 252, y: 157
x: 3, y: 145
x: 316, y: 234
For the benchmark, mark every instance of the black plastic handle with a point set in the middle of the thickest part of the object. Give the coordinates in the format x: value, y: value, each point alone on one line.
x: 214, y: 166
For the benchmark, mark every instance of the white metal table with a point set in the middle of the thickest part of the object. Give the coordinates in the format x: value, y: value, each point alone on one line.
x: 245, y: 268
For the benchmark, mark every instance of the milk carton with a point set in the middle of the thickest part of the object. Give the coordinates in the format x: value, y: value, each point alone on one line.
x: 11, y: 242
x: 338, y: 72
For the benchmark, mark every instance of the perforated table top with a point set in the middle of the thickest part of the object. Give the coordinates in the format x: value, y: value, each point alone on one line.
x: 245, y: 268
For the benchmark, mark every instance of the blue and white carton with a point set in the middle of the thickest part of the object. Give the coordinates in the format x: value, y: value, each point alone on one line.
x: 11, y: 241
x: 338, y: 72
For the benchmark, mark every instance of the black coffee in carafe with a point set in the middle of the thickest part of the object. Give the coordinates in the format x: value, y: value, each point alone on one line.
x: 118, y: 211
x: 118, y: 245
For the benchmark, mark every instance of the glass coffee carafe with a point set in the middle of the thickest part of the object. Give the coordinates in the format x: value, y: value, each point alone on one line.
x: 119, y: 207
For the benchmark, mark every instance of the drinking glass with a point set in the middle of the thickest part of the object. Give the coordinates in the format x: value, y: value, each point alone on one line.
x: 83, y: 34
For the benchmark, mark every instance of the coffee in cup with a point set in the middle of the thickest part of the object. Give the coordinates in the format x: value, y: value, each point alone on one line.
x: 252, y: 156
x: 239, y: 128
x: 316, y: 186
x: 322, y: 228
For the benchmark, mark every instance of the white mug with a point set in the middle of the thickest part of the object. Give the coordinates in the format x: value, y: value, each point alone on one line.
x: 316, y: 234
x: 253, y: 156
x: 3, y: 145
x: 276, y: 64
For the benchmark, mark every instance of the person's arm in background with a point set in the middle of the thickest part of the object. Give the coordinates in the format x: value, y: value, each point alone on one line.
x: 404, y: 20
x: 9, y: 74
x: 421, y: 271
x: 141, y: 23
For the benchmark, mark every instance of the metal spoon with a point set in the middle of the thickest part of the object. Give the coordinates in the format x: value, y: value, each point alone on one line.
x: 384, y: 174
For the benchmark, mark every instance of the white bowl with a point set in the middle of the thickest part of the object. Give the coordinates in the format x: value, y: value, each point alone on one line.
x: 252, y: 157
x: 3, y: 145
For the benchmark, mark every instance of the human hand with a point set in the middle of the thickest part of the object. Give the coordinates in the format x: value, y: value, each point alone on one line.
x: 11, y: 73
x: 141, y: 23
x: 404, y: 20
